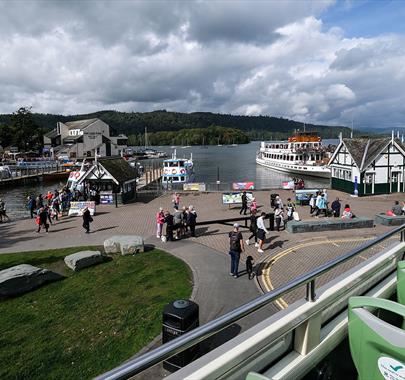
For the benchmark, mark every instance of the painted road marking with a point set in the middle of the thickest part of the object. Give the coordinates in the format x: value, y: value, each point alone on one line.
x: 266, y: 280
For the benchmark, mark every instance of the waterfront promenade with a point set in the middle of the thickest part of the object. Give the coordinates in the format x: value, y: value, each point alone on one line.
x: 286, y: 255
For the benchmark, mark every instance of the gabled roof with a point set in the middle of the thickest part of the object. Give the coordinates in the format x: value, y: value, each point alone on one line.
x: 365, y: 151
x: 52, y: 134
x: 120, y: 169
x: 80, y: 124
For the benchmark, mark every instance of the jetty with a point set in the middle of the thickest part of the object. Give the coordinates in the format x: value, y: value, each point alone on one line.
x: 21, y: 176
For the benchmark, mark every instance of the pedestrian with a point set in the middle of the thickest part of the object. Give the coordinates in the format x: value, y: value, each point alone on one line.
x: 290, y: 209
x: 235, y: 248
x: 87, y: 219
x: 321, y: 207
x: 253, y: 228
x: 191, y: 220
x: 169, y: 226
x: 347, y: 212
x: 312, y: 200
x: 253, y: 205
x: 42, y: 220
x: 3, y: 213
x: 397, y: 209
x: 176, y: 200
x: 336, y: 208
x: 325, y: 195
x: 160, y: 220
x: 317, y: 200
x: 178, y: 222
x: 32, y: 205
x: 40, y: 201
x: 278, y: 202
x: 185, y: 217
x: 279, y: 217
x: 261, y: 231
x: 244, y: 204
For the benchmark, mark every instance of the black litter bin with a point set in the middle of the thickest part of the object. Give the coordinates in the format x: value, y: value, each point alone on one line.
x: 273, y: 199
x: 179, y: 317
x: 270, y: 215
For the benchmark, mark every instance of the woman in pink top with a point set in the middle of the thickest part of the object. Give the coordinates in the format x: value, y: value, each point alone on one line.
x: 253, y: 205
x: 160, y: 220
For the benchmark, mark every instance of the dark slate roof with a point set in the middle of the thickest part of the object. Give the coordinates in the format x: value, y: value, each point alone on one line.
x: 364, y: 151
x: 374, y: 148
x: 356, y: 148
x: 120, y: 169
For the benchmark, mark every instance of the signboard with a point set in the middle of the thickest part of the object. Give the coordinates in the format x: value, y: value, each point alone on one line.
x: 243, y: 186
x: 303, y: 195
x: 194, y: 186
x: 106, y: 199
x: 232, y: 198
x: 76, y: 208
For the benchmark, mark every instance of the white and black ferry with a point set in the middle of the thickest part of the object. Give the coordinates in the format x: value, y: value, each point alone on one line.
x: 301, y: 154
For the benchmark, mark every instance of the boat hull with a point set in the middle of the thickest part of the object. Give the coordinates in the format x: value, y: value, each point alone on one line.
x: 312, y: 171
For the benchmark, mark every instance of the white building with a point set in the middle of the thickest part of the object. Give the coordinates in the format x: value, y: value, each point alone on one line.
x: 374, y: 166
x: 84, y: 138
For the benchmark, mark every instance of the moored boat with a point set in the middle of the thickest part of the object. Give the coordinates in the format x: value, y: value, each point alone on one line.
x: 177, y: 170
x: 301, y: 154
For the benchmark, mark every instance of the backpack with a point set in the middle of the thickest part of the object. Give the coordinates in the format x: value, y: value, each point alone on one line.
x: 234, y: 241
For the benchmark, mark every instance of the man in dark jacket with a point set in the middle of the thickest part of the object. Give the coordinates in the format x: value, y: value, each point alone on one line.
x: 336, y: 208
x: 191, y: 220
x: 87, y: 219
x: 235, y: 248
x: 32, y: 205
x: 244, y: 203
x: 169, y: 220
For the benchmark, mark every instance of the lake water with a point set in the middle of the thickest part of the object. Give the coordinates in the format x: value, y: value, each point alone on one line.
x: 235, y: 164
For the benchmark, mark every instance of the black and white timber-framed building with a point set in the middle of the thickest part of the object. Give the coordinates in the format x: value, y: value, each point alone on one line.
x: 373, y: 166
x: 112, y: 177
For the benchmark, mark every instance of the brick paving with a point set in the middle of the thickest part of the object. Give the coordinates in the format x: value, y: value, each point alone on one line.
x: 139, y: 218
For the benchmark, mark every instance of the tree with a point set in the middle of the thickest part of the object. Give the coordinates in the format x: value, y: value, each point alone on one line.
x: 6, y: 135
x: 27, y: 134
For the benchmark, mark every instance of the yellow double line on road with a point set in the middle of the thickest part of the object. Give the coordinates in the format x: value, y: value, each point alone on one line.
x: 266, y: 280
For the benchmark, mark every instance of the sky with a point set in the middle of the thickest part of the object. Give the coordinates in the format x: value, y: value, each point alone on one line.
x: 320, y: 61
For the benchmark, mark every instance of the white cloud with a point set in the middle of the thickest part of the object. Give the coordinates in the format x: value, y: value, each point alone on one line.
x: 260, y: 57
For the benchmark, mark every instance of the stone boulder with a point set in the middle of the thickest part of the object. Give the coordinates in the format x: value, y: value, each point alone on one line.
x: 24, y: 278
x: 83, y: 259
x: 124, y: 244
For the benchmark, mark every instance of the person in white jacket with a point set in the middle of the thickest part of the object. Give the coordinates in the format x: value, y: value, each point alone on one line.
x: 261, y: 231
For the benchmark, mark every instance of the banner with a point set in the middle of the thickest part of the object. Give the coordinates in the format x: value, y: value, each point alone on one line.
x: 106, y: 199
x: 288, y: 185
x: 194, y: 186
x: 76, y: 208
x: 232, y: 198
x: 243, y: 186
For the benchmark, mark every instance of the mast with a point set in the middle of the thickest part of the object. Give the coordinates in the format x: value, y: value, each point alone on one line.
x: 146, y: 137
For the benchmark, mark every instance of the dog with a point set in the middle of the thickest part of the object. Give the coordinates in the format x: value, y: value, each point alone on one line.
x: 249, y: 267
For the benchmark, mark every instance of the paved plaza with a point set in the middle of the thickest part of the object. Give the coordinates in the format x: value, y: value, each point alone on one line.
x: 286, y: 255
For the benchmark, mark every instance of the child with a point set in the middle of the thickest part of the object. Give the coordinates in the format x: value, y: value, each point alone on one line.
x: 160, y: 220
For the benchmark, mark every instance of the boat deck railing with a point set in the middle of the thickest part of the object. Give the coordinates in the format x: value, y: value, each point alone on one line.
x: 301, y: 323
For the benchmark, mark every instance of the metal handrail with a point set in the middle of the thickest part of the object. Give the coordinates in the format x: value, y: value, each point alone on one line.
x: 183, y: 342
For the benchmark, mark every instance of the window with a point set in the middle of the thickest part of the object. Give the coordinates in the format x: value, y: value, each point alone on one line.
x: 175, y: 179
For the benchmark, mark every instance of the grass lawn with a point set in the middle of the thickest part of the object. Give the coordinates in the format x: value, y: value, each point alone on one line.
x: 91, y: 321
